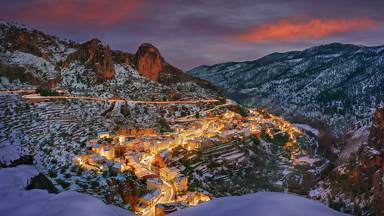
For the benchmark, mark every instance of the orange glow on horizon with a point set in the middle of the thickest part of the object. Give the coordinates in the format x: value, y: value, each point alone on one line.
x: 285, y: 30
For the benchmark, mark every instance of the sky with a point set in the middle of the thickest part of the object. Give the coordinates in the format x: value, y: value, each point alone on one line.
x: 190, y: 33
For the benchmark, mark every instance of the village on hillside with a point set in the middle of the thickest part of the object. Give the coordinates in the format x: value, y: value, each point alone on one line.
x: 170, y: 163
x: 145, y: 152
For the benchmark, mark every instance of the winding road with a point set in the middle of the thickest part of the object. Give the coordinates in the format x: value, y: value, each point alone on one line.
x: 167, y: 191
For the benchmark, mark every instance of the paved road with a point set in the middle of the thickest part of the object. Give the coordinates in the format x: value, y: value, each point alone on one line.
x: 167, y: 191
x: 19, y: 91
x: 38, y: 97
x: 168, y: 197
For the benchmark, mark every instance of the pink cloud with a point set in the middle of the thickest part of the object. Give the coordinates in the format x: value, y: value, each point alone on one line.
x: 285, y: 30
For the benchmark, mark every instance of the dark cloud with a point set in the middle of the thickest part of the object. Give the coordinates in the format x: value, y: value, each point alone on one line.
x: 194, y: 32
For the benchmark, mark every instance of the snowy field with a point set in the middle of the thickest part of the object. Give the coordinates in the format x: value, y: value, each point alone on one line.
x: 262, y: 203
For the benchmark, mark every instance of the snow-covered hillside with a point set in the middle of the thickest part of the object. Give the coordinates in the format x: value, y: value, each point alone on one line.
x: 262, y: 203
x: 92, y: 68
x: 338, y: 84
x: 15, y: 200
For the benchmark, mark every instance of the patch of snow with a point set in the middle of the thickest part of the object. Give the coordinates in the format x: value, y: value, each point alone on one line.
x: 247, y: 90
x: 308, y: 128
x: 8, y: 152
x: 262, y: 203
x: 29, y: 60
x: 305, y: 159
x: 16, y: 201
x: 315, y: 192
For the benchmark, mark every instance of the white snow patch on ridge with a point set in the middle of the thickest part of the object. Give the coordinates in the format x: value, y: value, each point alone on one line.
x: 26, y: 59
x: 308, y: 128
x: 262, y: 203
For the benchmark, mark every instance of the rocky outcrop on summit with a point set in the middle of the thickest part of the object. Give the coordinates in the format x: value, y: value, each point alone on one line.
x: 149, y: 62
x: 94, y: 55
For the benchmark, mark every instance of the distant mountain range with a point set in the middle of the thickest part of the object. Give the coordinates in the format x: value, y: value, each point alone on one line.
x: 338, y: 84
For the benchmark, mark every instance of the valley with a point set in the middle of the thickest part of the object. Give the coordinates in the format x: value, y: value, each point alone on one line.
x: 132, y: 134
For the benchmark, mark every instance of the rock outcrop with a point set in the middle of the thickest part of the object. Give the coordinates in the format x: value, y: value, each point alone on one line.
x: 149, y: 62
x: 120, y: 57
x: 374, y: 160
x: 361, y: 179
x: 94, y: 55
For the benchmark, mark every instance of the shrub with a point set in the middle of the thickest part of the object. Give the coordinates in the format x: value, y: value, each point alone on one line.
x: 63, y: 183
x: 52, y: 174
x: 45, y: 91
x: 163, y: 125
x: 94, y: 184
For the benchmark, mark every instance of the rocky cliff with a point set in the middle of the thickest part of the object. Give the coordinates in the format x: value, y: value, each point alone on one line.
x: 357, y: 186
x: 373, y: 160
x: 149, y: 62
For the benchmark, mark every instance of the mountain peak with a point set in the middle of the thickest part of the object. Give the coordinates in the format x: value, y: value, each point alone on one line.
x: 96, y: 56
x: 93, y: 41
x: 148, y: 47
x: 149, y: 61
x: 335, y: 48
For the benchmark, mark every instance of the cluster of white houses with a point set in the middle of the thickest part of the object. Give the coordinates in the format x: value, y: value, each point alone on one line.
x: 118, y: 153
x: 135, y: 150
x: 108, y: 152
x: 125, y: 150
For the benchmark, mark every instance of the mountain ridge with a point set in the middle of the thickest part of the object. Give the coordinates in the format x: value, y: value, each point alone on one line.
x: 292, y: 51
x: 311, y: 82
